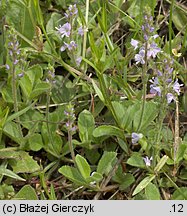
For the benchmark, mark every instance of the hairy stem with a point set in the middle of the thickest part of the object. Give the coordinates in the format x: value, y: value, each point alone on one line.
x: 144, y: 79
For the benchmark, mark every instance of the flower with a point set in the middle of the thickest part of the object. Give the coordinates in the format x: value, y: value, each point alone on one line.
x: 20, y: 75
x: 73, y: 9
x: 134, y: 43
x: 154, y: 88
x: 7, y: 67
x: 136, y: 137
x: 80, y: 31
x: 63, y: 48
x: 139, y: 58
x: 65, y: 30
x: 155, y: 36
x: 78, y: 60
x: 176, y: 87
x: 72, y: 45
x: 15, y: 61
x: 170, y: 97
x: 153, y: 50
x: 159, y: 73
x: 147, y: 160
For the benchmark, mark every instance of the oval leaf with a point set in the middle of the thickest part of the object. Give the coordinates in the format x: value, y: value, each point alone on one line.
x: 72, y: 174
x: 108, y: 130
x: 83, y: 166
x: 105, y: 163
x: 143, y: 184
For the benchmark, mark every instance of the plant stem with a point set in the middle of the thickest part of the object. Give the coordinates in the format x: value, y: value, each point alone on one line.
x: 47, y: 119
x: 14, y: 94
x: 144, y: 79
x: 170, y: 26
x: 177, y: 138
x: 85, y: 30
x: 71, y: 145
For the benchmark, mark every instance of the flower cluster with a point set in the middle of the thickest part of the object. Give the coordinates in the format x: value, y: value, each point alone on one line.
x: 13, y: 48
x: 147, y: 160
x: 136, y: 137
x: 72, y: 11
x: 17, y: 58
x: 164, y: 82
x: 50, y: 74
x: 70, y: 115
x: 66, y: 32
x: 149, y: 46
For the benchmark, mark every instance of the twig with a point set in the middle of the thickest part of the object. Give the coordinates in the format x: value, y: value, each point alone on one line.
x: 107, y: 180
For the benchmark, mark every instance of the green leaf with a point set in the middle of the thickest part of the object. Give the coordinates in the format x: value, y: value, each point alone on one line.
x: 86, y: 125
x: 161, y: 163
x: 83, y: 166
x: 52, y: 193
x: 52, y: 23
x: 25, y: 163
x: 181, y: 151
x: 180, y: 194
x: 11, y: 129
x: 7, y: 153
x: 150, y: 113
x: 72, y: 174
x: 95, y: 177
x: 98, y: 91
x: 143, y: 184
x: 26, y: 85
x: 6, y: 191
x: 179, y: 19
x: 136, y: 160
x: 108, y: 130
x: 123, y: 145
x: 120, y: 111
x: 35, y: 142
x: 26, y: 193
x: 152, y: 192
x: 106, y: 162
x: 9, y: 173
x: 7, y: 94
x: 21, y: 112
x: 128, y: 179
x: 35, y: 74
x: 127, y: 119
x: 32, y: 119
x: 39, y: 89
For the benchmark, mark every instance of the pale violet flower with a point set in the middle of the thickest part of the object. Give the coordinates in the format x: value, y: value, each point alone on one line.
x: 73, y: 9
x: 134, y: 43
x: 176, y: 87
x: 153, y: 50
x: 78, y: 61
x: 7, y: 66
x: 159, y: 73
x: 154, y: 88
x: 20, y: 75
x: 147, y: 160
x: 65, y: 30
x: 155, y: 36
x: 80, y: 31
x: 136, y: 137
x: 139, y: 58
x: 72, y: 45
x: 63, y: 48
x: 170, y: 97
